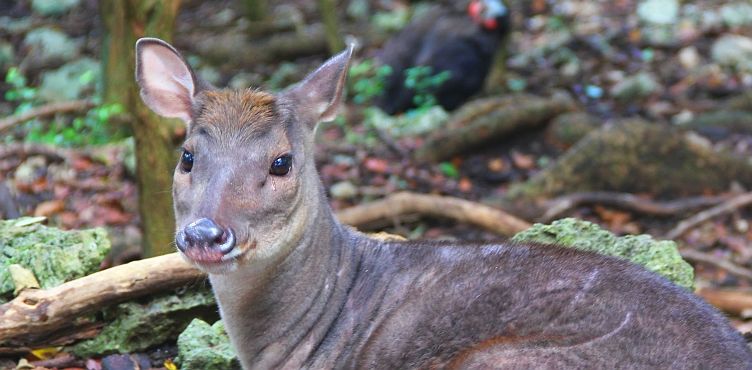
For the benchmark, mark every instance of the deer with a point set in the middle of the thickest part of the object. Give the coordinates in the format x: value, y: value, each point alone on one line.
x: 296, y: 289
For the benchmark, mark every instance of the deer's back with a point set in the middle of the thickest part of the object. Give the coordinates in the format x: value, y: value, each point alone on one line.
x: 422, y: 305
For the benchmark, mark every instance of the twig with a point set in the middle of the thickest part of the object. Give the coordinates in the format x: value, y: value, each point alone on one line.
x: 30, y: 149
x: 65, y: 360
x: 390, y: 143
x: 733, y: 301
x: 488, y: 218
x: 558, y: 206
x: 695, y: 256
x: 46, y: 111
x: 728, y: 206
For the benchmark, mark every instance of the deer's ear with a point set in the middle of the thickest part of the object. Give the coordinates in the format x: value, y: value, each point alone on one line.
x: 168, y: 85
x: 320, y: 93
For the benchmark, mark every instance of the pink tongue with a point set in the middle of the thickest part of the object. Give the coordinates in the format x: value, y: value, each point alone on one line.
x: 199, y: 254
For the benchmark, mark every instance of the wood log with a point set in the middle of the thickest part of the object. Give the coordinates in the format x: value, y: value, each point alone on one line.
x: 35, y: 313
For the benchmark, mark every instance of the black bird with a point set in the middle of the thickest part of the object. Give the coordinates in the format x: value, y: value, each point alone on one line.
x: 462, y: 44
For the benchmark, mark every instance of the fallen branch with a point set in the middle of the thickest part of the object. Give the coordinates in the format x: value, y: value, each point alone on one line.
x: 35, y: 313
x: 46, y: 111
x: 728, y: 206
x: 736, y: 302
x: 31, y: 149
x: 695, y: 256
x: 460, y: 210
x: 630, y: 202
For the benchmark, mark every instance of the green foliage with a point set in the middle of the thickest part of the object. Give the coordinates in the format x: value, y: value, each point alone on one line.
x: 449, y: 170
x: 424, y: 81
x: 19, y: 91
x: 369, y: 80
x: 93, y: 128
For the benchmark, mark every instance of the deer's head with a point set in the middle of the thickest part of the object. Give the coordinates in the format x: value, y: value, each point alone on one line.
x: 245, y: 177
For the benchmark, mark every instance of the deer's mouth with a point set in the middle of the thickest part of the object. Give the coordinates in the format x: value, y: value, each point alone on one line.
x: 210, y: 246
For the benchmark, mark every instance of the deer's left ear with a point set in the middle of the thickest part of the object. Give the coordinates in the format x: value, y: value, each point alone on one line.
x: 319, y: 95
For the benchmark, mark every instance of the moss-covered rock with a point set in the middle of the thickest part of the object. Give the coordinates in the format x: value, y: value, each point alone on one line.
x: 636, y: 157
x: 137, y: 326
x: 661, y: 257
x: 568, y: 128
x: 205, y: 347
x: 53, y: 255
x: 488, y: 120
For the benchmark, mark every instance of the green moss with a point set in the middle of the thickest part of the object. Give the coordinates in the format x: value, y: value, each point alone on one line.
x: 636, y: 157
x: 53, y: 255
x: 204, y: 347
x: 137, y: 326
x: 661, y: 257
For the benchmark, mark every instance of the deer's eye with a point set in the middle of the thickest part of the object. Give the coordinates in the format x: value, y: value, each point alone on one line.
x: 186, y: 161
x: 281, y: 165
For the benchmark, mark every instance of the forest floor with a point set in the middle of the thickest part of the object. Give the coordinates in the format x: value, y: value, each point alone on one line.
x: 611, y: 60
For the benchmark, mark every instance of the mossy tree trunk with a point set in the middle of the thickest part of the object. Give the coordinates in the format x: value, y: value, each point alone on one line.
x: 125, y: 21
x: 328, y: 10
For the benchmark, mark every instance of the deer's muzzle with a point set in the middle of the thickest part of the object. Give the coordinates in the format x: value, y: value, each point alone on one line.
x: 205, y: 241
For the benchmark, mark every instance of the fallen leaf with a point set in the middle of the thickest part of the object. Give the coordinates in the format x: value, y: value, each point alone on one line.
x: 169, y: 365
x: 46, y: 353
x: 496, y: 165
x: 377, y: 165
x: 465, y: 185
x: 523, y: 161
x: 49, y: 208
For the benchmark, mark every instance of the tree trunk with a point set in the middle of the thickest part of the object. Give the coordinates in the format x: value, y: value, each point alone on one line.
x: 328, y: 10
x: 125, y: 21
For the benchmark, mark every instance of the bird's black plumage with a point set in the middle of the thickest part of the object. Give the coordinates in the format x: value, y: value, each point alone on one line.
x: 444, y: 40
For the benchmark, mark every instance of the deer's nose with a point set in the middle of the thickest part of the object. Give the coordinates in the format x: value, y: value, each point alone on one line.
x: 206, y: 234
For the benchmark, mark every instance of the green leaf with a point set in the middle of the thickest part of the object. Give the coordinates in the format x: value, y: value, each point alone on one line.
x: 449, y: 170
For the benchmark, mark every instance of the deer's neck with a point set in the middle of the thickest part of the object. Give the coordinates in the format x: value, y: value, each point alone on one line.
x: 277, y: 315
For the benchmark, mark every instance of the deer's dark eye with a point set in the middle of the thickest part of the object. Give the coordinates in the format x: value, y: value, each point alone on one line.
x: 186, y: 161
x: 281, y: 165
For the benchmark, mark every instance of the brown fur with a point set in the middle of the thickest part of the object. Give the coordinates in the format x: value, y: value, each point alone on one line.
x: 225, y: 111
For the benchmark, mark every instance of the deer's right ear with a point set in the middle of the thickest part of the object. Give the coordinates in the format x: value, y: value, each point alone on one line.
x: 168, y: 85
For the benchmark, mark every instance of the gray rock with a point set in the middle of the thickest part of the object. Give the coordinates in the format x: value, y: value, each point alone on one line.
x: 634, y: 87
x: 664, y: 12
x: 15, y: 26
x: 733, y: 51
x: 71, y: 81
x: 49, y: 47
x: 210, y: 74
x: 737, y: 14
x: 53, y: 7
x: 343, y: 190
x: 244, y: 80
x: 7, y: 55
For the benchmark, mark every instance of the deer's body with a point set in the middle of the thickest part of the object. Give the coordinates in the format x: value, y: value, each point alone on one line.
x: 298, y: 290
